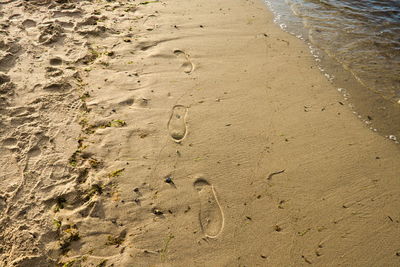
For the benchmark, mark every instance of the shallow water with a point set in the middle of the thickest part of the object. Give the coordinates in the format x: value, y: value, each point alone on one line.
x: 353, y: 40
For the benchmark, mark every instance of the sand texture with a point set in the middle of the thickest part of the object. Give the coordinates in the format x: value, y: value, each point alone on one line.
x: 181, y: 133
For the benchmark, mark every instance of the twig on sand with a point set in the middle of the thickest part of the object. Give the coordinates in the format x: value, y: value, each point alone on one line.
x: 275, y: 173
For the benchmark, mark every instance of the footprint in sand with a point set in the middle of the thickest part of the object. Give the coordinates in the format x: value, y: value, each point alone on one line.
x: 28, y: 23
x: 75, y: 105
x: 149, y: 23
x: 50, y: 33
x: 177, y: 123
x: 211, y: 216
x: 8, y: 55
x: 56, y: 61
x: 187, y: 64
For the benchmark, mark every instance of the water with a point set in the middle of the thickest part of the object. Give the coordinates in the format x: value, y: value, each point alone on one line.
x: 357, y: 44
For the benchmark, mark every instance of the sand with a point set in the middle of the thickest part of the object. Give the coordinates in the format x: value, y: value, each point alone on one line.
x: 181, y: 133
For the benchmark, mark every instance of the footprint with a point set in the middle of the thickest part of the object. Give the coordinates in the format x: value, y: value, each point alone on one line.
x: 53, y: 72
x: 75, y: 105
x: 9, y: 142
x: 55, y: 61
x: 90, y: 20
x: 4, y: 78
x: 34, y: 152
x: 127, y: 102
x: 7, y: 61
x: 149, y: 23
x: 187, y: 65
x: 28, y: 23
x: 67, y: 13
x: 50, y: 33
x: 58, y: 86
x: 211, y: 216
x: 177, y: 123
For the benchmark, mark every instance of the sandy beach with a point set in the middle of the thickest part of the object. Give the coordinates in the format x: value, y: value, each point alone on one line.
x: 181, y: 133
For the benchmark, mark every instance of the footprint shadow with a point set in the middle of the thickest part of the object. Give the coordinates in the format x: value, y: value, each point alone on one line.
x: 177, y: 123
x: 211, y: 216
x: 187, y: 64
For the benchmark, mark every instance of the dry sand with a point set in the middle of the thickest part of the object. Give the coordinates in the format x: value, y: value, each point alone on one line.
x: 181, y: 133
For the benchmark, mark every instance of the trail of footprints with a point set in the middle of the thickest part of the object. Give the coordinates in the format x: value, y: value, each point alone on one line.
x: 211, y: 217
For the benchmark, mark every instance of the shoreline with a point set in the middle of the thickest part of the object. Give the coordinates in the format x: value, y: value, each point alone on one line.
x: 379, y: 111
x: 183, y: 134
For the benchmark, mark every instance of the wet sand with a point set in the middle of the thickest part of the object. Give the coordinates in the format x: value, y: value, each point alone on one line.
x: 181, y: 133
